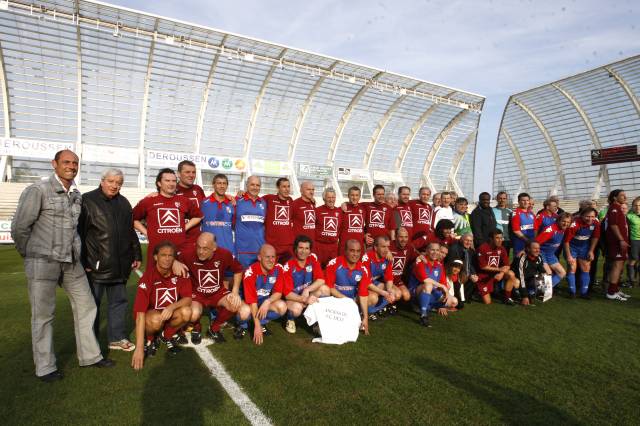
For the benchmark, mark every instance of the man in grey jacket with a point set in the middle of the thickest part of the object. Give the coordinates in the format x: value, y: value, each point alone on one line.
x: 44, y: 229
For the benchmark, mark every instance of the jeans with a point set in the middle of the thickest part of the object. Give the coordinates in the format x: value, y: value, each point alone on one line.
x: 116, y: 309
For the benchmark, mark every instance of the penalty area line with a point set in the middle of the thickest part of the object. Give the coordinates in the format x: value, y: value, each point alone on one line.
x: 248, y: 408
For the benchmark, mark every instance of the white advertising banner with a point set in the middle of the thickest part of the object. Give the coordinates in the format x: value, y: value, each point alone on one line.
x: 394, y: 177
x: 351, y: 174
x: 5, y: 232
x: 109, y: 154
x: 202, y: 161
x: 32, y: 148
x: 270, y: 168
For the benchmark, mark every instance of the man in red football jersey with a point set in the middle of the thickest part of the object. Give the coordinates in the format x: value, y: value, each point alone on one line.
x: 207, y: 263
x: 187, y: 187
x: 494, y: 266
x: 403, y: 213
x: 404, y: 254
x: 378, y: 217
x: 165, y: 214
x: 329, y: 222
x: 352, y: 219
x: 278, y: 225
x: 162, y: 304
x: 304, y: 212
x: 422, y: 213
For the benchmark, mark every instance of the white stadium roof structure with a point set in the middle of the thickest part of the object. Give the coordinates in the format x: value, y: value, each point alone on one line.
x: 129, y: 89
x: 547, y: 134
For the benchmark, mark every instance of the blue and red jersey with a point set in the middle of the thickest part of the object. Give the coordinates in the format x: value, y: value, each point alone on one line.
x: 544, y: 219
x: 351, y: 282
x: 380, y: 270
x: 550, y: 238
x: 249, y: 224
x: 297, y: 277
x: 218, y: 220
x: 579, y: 234
x: 258, y: 286
x: 523, y: 221
x: 426, y: 269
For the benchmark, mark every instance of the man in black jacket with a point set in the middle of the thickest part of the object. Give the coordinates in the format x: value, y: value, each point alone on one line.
x: 110, y: 249
x: 483, y: 221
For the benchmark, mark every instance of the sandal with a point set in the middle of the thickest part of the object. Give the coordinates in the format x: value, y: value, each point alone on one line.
x: 122, y: 345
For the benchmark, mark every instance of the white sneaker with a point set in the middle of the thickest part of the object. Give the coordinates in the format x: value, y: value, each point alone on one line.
x: 291, y: 326
x: 625, y: 295
x: 616, y: 296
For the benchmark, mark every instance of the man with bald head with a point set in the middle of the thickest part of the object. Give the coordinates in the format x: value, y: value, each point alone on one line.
x: 45, y: 232
x: 208, y: 263
x: 304, y: 212
x: 250, y: 214
x: 263, y: 287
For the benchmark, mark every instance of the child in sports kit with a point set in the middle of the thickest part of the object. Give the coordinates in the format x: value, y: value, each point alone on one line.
x: 580, y: 242
x: 550, y: 238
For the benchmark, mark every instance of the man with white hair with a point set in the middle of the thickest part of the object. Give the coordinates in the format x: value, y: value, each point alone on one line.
x: 110, y: 249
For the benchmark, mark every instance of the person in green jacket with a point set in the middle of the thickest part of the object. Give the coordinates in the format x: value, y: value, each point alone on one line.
x: 633, y: 219
x: 461, y: 217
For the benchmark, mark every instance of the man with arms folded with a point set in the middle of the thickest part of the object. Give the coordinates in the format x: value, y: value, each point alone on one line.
x: 494, y: 266
x: 187, y: 187
x: 279, y: 220
x: 346, y: 276
x: 329, y: 222
x: 382, y: 291
x: 263, y: 286
x: 162, y: 305
x: 304, y: 212
x: 483, y: 220
x: 207, y: 265
x: 304, y: 280
x: 165, y: 215
x: 428, y: 283
x: 249, y: 220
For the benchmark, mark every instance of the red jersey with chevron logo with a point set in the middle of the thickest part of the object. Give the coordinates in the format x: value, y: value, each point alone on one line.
x: 278, y: 224
x: 304, y: 218
x: 207, y: 275
x: 378, y: 219
x: 352, y: 224
x: 158, y: 292
x: 328, y: 224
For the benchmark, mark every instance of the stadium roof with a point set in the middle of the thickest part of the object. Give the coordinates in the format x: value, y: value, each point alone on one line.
x: 94, y: 74
x: 548, y: 133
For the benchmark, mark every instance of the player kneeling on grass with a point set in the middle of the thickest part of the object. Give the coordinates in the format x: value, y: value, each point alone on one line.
x: 382, y: 291
x: 346, y: 276
x: 304, y: 280
x: 162, y: 304
x: 493, y: 262
x: 530, y: 268
x: 263, y: 284
x: 208, y: 263
x: 428, y: 283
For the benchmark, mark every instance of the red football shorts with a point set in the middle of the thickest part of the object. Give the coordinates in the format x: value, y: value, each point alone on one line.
x: 615, y: 251
x: 210, y: 300
x: 485, y: 284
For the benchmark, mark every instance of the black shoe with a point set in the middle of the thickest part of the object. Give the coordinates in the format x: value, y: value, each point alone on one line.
x: 509, y: 302
x: 393, y: 310
x: 54, y: 376
x: 373, y: 317
x: 266, y: 331
x: 585, y: 296
x: 103, y: 363
x: 216, y: 336
x: 182, y: 339
x: 239, y: 333
x: 150, y: 348
x: 172, y: 346
x: 196, y: 337
x: 424, y: 321
x: 316, y: 330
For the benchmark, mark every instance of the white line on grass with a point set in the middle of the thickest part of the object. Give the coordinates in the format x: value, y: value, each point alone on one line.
x: 248, y: 408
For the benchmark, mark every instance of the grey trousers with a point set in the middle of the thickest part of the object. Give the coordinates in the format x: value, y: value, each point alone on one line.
x: 116, y: 309
x: 42, y: 278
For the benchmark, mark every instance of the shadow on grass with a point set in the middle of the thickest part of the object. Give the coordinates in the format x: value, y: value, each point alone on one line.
x: 178, y: 391
x: 513, y: 406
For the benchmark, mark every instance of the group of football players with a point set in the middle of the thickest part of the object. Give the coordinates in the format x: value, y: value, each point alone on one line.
x: 249, y: 259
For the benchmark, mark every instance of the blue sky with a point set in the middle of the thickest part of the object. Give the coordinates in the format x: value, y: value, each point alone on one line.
x: 493, y: 48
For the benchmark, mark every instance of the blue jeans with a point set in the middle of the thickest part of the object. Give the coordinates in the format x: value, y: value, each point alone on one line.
x: 116, y: 309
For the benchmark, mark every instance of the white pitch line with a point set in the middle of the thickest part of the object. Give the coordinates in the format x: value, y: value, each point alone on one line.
x: 248, y: 408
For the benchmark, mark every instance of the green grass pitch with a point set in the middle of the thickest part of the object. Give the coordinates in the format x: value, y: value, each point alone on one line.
x: 562, y: 362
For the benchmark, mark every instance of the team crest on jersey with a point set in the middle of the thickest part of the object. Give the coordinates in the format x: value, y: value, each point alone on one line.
x: 383, y: 266
x: 168, y: 217
x: 309, y: 268
x: 398, y: 263
x: 174, y: 280
x: 424, y: 214
x: 229, y: 210
x: 365, y: 257
x: 216, y: 263
x: 165, y: 296
x: 355, y: 221
x: 177, y: 203
x: 358, y: 278
x: 272, y: 280
x: 309, y: 217
x: 549, y: 229
x: 330, y: 224
x: 436, y: 273
x: 209, y: 278
x: 248, y: 273
x: 376, y: 217
x: 494, y: 261
x: 282, y: 212
x: 406, y: 217
x: 143, y: 286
